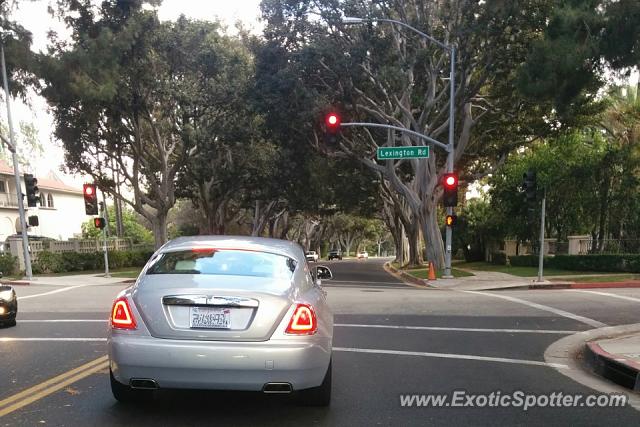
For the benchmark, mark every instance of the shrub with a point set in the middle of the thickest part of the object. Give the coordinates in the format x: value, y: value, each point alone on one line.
x: 8, y: 264
x: 50, y: 262
x: 629, y: 263
x: 498, y: 258
x: 524, y: 261
x: 626, y: 263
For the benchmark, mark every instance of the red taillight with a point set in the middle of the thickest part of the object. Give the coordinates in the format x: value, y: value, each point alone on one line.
x: 121, y: 316
x: 303, y: 321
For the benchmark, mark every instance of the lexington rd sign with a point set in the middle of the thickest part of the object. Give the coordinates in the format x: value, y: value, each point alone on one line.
x: 391, y: 153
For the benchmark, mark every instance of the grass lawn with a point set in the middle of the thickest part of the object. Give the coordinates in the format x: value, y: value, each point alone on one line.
x: 520, y: 271
x: 423, y: 272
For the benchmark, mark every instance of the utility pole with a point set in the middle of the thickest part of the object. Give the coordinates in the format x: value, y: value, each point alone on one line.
x: 450, y: 160
x: 16, y: 170
x: 104, y: 236
x: 541, y: 255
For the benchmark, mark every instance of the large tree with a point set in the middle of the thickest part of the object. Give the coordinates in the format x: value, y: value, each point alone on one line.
x: 130, y: 95
x: 385, y: 74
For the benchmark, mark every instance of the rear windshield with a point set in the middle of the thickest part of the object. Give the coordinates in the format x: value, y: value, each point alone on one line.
x: 224, y: 262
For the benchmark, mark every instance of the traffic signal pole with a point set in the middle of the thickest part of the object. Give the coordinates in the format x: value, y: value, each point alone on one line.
x: 104, y: 237
x: 541, y: 255
x: 450, y: 159
x: 16, y: 171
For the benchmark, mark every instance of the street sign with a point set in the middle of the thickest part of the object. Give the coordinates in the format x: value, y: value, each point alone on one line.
x: 415, y: 152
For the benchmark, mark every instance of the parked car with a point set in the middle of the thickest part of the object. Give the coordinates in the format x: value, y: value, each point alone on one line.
x: 8, y: 305
x: 311, y: 256
x: 334, y: 254
x: 223, y: 313
x: 363, y: 255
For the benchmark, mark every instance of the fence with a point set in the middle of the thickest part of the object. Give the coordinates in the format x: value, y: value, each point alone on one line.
x: 609, y: 246
x: 81, y: 246
x: 576, y: 245
x: 8, y: 200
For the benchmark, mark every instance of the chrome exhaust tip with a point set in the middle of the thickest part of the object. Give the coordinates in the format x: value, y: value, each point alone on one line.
x: 143, y: 384
x: 279, y: 388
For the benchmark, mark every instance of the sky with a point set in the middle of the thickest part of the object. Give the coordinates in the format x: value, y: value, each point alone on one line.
x: 34, y: 17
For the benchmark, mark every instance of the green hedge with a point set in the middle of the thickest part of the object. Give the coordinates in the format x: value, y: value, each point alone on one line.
x: 50, y: 262
x: 627, y: 263
x: 498, y: 258
x: 8, y: 264
x: 524, y: 261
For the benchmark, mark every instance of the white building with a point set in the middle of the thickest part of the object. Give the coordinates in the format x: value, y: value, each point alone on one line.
x: 60, y: 212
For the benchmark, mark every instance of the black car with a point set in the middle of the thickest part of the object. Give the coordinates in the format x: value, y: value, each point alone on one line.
x: 8, y: 305
x: 334, y: 254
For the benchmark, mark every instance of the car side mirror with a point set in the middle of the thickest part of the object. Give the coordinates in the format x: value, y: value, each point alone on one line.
x: 323, y: 273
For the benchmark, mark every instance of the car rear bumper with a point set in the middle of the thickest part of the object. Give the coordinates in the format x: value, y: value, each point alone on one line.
x: 218, y: 365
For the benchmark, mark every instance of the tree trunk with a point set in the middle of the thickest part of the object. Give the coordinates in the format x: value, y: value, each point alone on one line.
x: 159, y: 224
x: 432, y: 235
x: 399, y: 243
x: 413, y: 233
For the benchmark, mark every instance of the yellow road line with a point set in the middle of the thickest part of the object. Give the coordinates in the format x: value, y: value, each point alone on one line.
x: 30, y: 391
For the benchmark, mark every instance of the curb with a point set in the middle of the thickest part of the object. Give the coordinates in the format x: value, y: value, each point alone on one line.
x: 406, y: 277
x: 15, y: 282
x: 584, y: 285
x: 613, y: 367
x: 572, y: 350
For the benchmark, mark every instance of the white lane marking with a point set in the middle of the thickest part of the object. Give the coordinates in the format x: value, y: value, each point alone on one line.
x: 63, y: 320
x: 363, y: 282
x: 586, y: 320
x: 607, y: 294
x: 52, y: 292
x: 352, y: 350
x: 440, y: 328
x: 451, y: 356
x: 10, y: 339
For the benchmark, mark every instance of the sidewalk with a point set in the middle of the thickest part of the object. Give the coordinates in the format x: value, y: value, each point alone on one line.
x: 493, y: 280
x: 617, y: 359
x: 70, y: 280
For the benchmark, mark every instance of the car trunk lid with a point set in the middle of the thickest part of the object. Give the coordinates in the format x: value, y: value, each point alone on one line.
x: 211, y: 307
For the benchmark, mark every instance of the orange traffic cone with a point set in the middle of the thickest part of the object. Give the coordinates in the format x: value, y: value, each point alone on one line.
x: 432, y: 271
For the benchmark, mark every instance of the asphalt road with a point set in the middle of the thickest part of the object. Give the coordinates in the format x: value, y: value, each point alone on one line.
x: 390, y: 339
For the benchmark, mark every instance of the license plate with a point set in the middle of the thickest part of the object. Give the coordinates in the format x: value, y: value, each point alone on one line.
x: 210, y: 318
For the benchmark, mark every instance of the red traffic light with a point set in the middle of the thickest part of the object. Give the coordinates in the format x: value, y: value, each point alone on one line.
x: 332, y: 120
x: 90, y: 199
x: 450, y: 185
x: 99, y: 222
x: 450, y: 180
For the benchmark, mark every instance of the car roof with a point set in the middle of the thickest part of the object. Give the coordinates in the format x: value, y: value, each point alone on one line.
x: 262, y: 244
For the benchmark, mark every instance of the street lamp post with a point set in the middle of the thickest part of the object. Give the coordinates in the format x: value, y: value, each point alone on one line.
x: 16, y: 169
x: 452, y: 92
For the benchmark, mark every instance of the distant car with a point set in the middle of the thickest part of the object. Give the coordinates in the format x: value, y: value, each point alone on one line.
x: 334, y: 254
x: 223, y: 313
x: 363, y: 255
x: 311, y: 256
x: 8, y: 305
